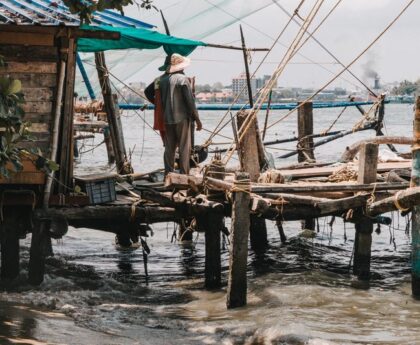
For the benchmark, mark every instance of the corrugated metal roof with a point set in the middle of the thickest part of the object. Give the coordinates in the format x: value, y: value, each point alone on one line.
x: 52, y: 13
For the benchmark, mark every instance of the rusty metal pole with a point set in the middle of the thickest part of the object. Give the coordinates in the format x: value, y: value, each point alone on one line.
x: 415, y: 181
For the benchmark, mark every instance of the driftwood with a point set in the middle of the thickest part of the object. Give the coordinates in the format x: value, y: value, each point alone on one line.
x: 405, y: 199
x: 352, y: 151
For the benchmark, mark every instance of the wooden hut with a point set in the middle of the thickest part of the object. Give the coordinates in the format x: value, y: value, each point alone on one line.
x: 39, y: 40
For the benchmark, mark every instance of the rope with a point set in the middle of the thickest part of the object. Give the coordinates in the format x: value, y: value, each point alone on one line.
x: 397, y: 203
x: 217, y: 129
x: 270, y: 84
x: 328, y: 51
x: 347, y: 66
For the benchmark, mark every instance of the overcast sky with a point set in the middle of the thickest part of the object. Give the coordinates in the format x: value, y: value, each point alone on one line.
x: 353, y: 25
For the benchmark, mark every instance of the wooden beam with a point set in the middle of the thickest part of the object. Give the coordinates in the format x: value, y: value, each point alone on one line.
x: 352, y: 151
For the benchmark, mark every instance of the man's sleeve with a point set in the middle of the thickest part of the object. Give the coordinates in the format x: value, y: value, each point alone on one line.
x: 150, y: 92
x: 189, y: 99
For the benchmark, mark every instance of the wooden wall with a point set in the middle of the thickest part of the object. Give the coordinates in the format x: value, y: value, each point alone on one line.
x: 33, y: 54
x: 36, y: 67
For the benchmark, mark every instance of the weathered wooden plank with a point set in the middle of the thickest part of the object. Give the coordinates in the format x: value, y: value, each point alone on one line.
x: 326, y: 171
x: 28, y: 53
x: 39, y: 127
x: 78, y: 216
x: 37, y: 107
x: 38, y: 117
x: 27, y: 38
x: 32, y: 67
x: 30, y: 80
x: 40, y: 94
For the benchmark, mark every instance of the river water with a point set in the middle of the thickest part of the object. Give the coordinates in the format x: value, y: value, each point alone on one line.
x: 299, y: 292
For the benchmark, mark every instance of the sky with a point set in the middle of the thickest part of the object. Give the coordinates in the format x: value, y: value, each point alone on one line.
x: 349, y: 30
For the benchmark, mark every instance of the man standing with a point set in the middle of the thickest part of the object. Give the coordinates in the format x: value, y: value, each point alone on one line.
x: 174, y: 94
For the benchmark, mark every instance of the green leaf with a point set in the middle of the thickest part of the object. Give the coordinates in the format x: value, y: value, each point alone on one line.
x: 14, y: 87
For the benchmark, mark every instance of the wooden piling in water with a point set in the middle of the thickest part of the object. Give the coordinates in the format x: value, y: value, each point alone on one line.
x: 237, y: 281
x: 9, y: 242
x: 40, y: 246
x: 415, y: 181
x: 250, y: 159
x: 211, y: 223
x: 306, y: 145
x: 368, y: 161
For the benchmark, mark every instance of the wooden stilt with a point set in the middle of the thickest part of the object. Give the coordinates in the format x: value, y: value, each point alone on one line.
x: 415, y: 181
x: 40, y: 246
x: 237, y: 282
x: 250, y: 160
x: 305, y: 129
x: 368, y: 162
x: 9, y: 240
x: 279, y: 225
x: 212, y: 223
x: 306, y: 145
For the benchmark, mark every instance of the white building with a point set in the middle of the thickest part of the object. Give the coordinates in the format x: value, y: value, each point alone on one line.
x: 239, y: 86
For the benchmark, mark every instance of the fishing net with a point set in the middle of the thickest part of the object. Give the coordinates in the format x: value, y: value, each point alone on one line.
x: 193, y: 19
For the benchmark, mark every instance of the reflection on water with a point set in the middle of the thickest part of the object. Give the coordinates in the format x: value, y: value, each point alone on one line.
x: 299, y: 292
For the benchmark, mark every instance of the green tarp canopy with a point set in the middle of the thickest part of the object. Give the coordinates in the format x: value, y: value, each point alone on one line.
x: 136, y: 38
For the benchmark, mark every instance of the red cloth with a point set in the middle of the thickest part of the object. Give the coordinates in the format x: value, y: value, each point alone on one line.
x: 159, y: 120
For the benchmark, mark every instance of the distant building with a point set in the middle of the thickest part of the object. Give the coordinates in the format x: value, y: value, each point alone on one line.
x: 261, y: 82
x: 223, y: 96
x: 239, y: 86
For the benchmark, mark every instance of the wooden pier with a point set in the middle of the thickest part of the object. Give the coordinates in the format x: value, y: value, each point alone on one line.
x: 43, y: 58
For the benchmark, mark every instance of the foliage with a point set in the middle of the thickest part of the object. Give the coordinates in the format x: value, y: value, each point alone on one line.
x: 407, y: 88
x: 13, y: 130
x: 85, y: 8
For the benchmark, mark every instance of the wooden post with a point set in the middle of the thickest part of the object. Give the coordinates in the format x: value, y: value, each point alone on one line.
x: 108, y: 144
x: 237, y: 282
x: 305, y: 129
x: 40, y: 247
x: 368, y: 161
x: 306, y: 145
x: 279, y: 225
x: 415, y: 181
x: 212, y: 223
x: 111, y: 111
x: 66, y: 149
x: 249, y: 158
x: 9, y: 241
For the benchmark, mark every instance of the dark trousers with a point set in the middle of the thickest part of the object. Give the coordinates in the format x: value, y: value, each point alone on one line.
x: 178, y: 136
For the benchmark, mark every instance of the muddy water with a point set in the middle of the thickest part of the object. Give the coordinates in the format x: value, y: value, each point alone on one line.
x: 299, y: 293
